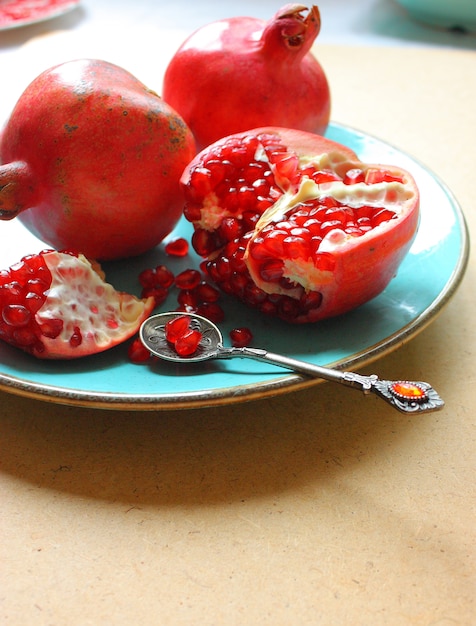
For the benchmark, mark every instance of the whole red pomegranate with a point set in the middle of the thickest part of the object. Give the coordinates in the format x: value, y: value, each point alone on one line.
x: 295, y: 224
x: 92, y: 161
x: 243, y: 73
x: 57, y: 305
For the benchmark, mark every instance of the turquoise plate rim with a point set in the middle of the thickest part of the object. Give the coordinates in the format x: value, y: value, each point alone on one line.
x: 25, y: 376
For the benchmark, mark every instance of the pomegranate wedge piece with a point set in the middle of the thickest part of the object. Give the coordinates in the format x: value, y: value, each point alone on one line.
x: 56, y: 305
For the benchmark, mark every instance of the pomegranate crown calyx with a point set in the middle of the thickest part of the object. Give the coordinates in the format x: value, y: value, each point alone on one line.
x: 295, y: 29
x: 289, y: 35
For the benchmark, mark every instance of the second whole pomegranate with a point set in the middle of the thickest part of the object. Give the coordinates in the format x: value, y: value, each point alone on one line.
x: 244, y: 72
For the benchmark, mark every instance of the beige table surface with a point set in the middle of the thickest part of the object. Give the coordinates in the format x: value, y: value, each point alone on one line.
x: 314, y: 507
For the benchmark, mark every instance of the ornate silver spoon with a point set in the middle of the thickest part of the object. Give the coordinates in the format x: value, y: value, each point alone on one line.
x: 406, y: 396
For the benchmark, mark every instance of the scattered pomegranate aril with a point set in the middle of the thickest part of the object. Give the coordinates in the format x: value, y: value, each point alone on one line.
x: 137, y: 352
x: 164, y: 276
x: 148, y: 278
x: 212, y: 311
x: 177, y: 247
x: 187, y: 300
x: 188, y: 279
x: 241, y: 337
x: 207, y: 293
x: 159, y: 294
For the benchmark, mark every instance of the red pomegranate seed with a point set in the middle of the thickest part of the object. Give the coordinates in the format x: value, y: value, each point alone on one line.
x: 325, y: 262
x: 38, y: 286
x: 223, y: 268
x: 137, y: 352
x: 164, y: 276
x: 212, y: 311
x: 200, y: 182
x: 192, y: 212
x: 287, y: 166
x: 353, y: 176
x: 219, y: 170
x: 238, y: 283
x: 33, y: 302
x: 176, y: 327
x: 374, y: 176
x: 207, y: 293
x: 187, y: 299
x: 253, y: 294
x: 148, y: 278
x: 246, y: 197
x: 328, y: 201
x: 324, y: 176
x: 52, y: 328
x: 187, y: 344
x: 76, y: 338
x: 296, y: 247
x: 231, y: 228
x: 188, y: 279
x: 16, y: 315
x: 158, y: 293
x: 177, y: 247
x: 383, y: 216
x: 288, y: 308
x: 272, y: 270
x: 311, y: 300
x: 203, y: 242
x: 329, y: 225
x: 251, y: 217
x: 268, y: 308
x: 241, y: 337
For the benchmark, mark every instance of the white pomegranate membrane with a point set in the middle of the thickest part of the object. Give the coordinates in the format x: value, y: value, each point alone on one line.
x: 292, y: 234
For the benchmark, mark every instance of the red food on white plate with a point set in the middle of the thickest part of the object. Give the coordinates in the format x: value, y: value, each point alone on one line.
x: 16, y: 13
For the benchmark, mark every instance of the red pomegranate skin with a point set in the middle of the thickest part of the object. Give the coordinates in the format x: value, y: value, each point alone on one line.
x: 243, y: 72
x: 92, y: 160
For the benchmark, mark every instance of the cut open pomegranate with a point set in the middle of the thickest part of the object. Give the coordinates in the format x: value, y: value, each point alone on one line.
x: 56, y: 305
x: 295, y: 224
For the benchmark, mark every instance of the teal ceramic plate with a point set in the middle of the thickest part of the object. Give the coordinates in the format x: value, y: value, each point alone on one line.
x: 425, y: 282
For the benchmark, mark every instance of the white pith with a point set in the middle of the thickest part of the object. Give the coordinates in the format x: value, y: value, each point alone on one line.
x: 80, y: 298
x: 212, y: 213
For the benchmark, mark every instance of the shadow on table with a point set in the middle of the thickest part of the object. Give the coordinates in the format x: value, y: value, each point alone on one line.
x: 217, y: 455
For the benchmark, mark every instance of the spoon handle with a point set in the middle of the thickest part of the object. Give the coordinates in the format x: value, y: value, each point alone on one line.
x: 406, y: 396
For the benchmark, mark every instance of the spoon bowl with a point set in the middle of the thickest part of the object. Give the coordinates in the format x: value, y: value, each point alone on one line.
x: 152, y: 335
